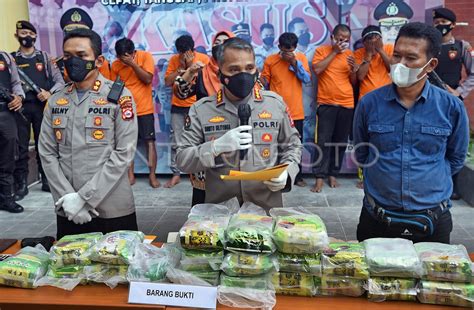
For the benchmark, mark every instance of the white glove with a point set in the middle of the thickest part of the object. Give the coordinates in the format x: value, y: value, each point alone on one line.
x: 84, y: 215
x: 71, y: 203
x: 233, y: 140
x: 277, y: 184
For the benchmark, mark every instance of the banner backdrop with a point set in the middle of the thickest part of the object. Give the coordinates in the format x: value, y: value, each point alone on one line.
x: 154, y: 25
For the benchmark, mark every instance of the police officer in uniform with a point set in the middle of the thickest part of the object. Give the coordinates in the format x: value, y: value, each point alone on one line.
x: 76, y: 18
x: 214, y: 142
x: 87, y: 144
x: 454, y: 56
x: 37, y: 65
x: 11, y: 84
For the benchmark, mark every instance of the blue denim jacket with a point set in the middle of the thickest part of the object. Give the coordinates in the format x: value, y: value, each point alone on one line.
x: 410, y: 155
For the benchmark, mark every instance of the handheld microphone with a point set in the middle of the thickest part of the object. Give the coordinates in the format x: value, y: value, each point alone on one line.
x: 244, y: 112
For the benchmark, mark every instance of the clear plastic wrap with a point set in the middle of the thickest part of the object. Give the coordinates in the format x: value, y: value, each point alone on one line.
x: 444, y: 262
x: 178, y: 276
x: 246, y: 292
x: 25, y: 267
x: 245, y: 264
x: 205, y: 233
x: 66, y: 278
x: 332, y: 286
x: 384, y: 288
x: 392, y: 257
x: 250, y: 230
x: 211, y: 277
x: 305, y: 263
x: 116, y: 248
x: 151, y: 263
x: 194, y: 260
x: 297, y: 231
x: 446, y: 293
x: 345, y: 259
x: 70, y: 250
x: 296, y: 284
x: 110, y: 275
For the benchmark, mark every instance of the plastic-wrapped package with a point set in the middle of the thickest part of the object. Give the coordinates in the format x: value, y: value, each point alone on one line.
x: 305, y: 263
x: 331, y: 286
x: 116, y: 248
x: 151, y: 263
x: 392, y: 257
x: 25, y: 267
x: 446, y: 293
x: 246, y: 298
x: 384, y: 288
x: 250, y: 230
x: 246, y: 292
x: 297, y: 231
x: 66, y: 278
x: 298, y: 284
x: 194, y: 260
x: 211, y: 277
x: 445, y: 262
x: 262, y: 282
x: 70, y: 250
x: 203, y: 234
x: 245, y: 264
x: 345, y: 259
x: 111, y: 275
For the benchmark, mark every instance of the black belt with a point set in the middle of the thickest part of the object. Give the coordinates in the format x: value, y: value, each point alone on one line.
x: 4, y: 107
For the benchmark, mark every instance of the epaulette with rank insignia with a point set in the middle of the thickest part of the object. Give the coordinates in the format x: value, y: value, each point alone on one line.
x: 96, y: 86
x: 219, y: 97
x: 257, y: 94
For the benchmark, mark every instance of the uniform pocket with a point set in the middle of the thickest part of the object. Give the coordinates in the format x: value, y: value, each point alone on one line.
x: 432, y: 140
x: 98, y: 129
x: 59, y: 124
x: 384, y: 137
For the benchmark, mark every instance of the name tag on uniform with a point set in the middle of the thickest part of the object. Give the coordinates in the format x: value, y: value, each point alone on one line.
x: 167, y: 294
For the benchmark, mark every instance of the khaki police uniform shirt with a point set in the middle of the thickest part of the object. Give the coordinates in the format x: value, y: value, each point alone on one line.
x: 87, y: 145
x: 275, y: 141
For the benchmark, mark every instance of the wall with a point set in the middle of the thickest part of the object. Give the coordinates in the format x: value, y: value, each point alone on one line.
x: 464, y: 10
x: 12, y: 11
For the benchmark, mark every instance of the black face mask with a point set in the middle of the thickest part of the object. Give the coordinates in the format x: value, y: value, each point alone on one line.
x: 78, y: 68
x: 304, y: 39
x: 27, y: 41
x: 215, y: 51
x: 241, y: 84
x: 444, y: 29
x: 268, y: 41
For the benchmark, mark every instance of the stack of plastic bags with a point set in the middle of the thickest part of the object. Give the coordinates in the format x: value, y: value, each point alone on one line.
x: 447, y: 275
x: 202, y: 239
x: 345, y: 270
x: 24, y: 268
x: 394, y: 268
x: 248, y: 263
x: 300, y: 236
x: 92, y: 257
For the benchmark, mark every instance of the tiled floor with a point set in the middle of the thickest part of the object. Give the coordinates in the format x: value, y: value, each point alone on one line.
x: 160, y: 211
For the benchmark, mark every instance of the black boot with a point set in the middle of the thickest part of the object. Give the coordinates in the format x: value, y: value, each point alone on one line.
x: 45, y: 184
x: 7, y: 196
x: 21, y: 188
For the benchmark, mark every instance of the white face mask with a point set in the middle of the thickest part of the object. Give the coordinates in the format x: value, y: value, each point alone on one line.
x: 402, y: 76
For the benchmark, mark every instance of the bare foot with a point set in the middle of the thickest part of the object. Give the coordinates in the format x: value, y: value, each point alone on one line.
x: 300, y: 183
x: 174, y: 181
x: 131, y: 178
x: 153, y: 181
x: 360, y: 184
x: 318, y: 186
x: 333, y: 182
